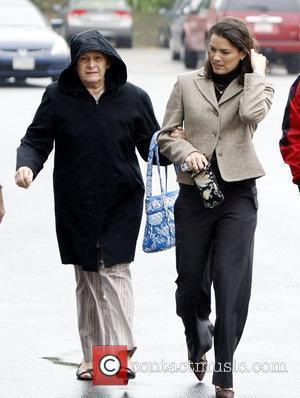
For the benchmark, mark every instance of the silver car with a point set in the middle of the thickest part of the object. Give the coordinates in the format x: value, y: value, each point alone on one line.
x: 28, y: 45
x: 112, y: 18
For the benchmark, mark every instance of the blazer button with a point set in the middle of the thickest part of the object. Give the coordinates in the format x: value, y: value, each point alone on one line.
x: 214, y: 134
x: 220, y: 154
x: 216, y: 112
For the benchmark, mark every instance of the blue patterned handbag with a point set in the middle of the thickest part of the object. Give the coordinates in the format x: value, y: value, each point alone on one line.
x: 160, y: 227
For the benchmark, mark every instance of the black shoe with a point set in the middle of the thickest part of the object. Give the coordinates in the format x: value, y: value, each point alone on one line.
x: 199, y: 368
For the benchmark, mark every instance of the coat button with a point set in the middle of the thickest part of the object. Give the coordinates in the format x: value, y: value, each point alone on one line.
x: 216, y: 112
x: 214, y: 134
x: 220, y: 154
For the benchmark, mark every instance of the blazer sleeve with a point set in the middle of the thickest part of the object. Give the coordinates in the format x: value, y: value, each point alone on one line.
x: 290, y: 140
x: 256, y: 99
x: 146, y: 126
x: 38, y: 141
x: 175, y: 149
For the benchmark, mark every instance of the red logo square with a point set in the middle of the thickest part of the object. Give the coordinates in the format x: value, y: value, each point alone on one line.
x: 109, y: 365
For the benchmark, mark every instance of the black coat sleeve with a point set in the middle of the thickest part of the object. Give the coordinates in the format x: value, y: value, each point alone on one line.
x: 146, y: 126
x: 38, y: 141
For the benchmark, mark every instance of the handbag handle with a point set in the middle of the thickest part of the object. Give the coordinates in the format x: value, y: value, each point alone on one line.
x: 153, y: 151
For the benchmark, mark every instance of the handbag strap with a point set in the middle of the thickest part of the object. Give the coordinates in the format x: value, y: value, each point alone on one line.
x: 153, y: 152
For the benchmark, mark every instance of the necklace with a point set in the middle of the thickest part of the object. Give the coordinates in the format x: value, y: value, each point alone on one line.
x: 220, y: 91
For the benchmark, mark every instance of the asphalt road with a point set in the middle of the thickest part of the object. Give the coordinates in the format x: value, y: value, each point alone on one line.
x: 38, y: 336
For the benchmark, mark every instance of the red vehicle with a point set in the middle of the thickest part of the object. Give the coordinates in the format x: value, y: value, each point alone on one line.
x: 275, y: 23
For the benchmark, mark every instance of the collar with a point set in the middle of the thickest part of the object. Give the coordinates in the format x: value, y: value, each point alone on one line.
x: 206, y: 87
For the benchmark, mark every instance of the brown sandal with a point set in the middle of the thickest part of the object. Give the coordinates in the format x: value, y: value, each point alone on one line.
x: 84, y: 374
x: 224, y: 392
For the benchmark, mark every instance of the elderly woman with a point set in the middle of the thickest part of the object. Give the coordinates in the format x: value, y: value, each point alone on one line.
x: 97, y: 120
x: 220, y: 106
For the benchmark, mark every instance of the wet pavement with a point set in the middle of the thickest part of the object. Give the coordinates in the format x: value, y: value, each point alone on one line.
x: 39, y: 343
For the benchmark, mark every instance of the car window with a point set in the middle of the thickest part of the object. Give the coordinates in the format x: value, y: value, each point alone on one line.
x: 21, y: 16
x: 205, y: 4
x: 261, y: 5
x: 195, y: 5
x: 13, y: 2
x: 182, y: 6
x: 177, y: 4
x: 99, y: 3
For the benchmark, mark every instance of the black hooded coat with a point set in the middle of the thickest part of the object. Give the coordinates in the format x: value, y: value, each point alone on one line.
x: 98, y: 187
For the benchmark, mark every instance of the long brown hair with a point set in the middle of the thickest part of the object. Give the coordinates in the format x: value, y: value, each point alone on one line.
x: 237, y: 33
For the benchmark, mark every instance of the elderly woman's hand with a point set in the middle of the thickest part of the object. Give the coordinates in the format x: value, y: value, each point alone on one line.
x: 179, y: 132
x: 24, y: 177
x: 196, y: 161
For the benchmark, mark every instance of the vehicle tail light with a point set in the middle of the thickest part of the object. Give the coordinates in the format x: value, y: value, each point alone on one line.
x: 76, y: 13
x: 122, y: 13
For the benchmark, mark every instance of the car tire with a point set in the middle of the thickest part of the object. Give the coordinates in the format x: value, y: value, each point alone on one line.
x: 163, y: 38
x: 20, y: 81
x: 66, y: 34
x: 190, y: 58
x: 175, y: 55
x: 125, y: 42
x: 67, y: 38
x: 292, y: 64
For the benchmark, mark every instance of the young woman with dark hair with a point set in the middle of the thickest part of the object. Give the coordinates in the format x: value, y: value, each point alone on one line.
x: 220, y: 107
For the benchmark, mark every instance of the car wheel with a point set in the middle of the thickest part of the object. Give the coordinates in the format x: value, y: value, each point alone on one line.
x: 190, y: 58
x: 125, y: 42
x: 65, y: 34
x: 292, y: 64
x: 163, y: 38
x: 175, y: 55
x: 20, y: 80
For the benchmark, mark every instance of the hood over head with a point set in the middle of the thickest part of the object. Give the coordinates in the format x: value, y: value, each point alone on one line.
x: 92, y: 40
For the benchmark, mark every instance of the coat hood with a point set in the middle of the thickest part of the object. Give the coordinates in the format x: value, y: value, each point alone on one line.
x: 92, y: 40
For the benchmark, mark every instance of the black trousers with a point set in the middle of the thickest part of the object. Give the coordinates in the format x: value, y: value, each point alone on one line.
x: 215, y: 246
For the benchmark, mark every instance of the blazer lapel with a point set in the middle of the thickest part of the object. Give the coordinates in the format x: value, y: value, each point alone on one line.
x: 232, y: 90
x: 207, y: 89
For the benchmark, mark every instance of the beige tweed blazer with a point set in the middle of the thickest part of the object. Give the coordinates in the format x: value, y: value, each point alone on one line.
x: 226, y: 127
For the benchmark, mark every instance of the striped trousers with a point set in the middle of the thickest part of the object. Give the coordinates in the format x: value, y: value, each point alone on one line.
x: 105, y: 307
